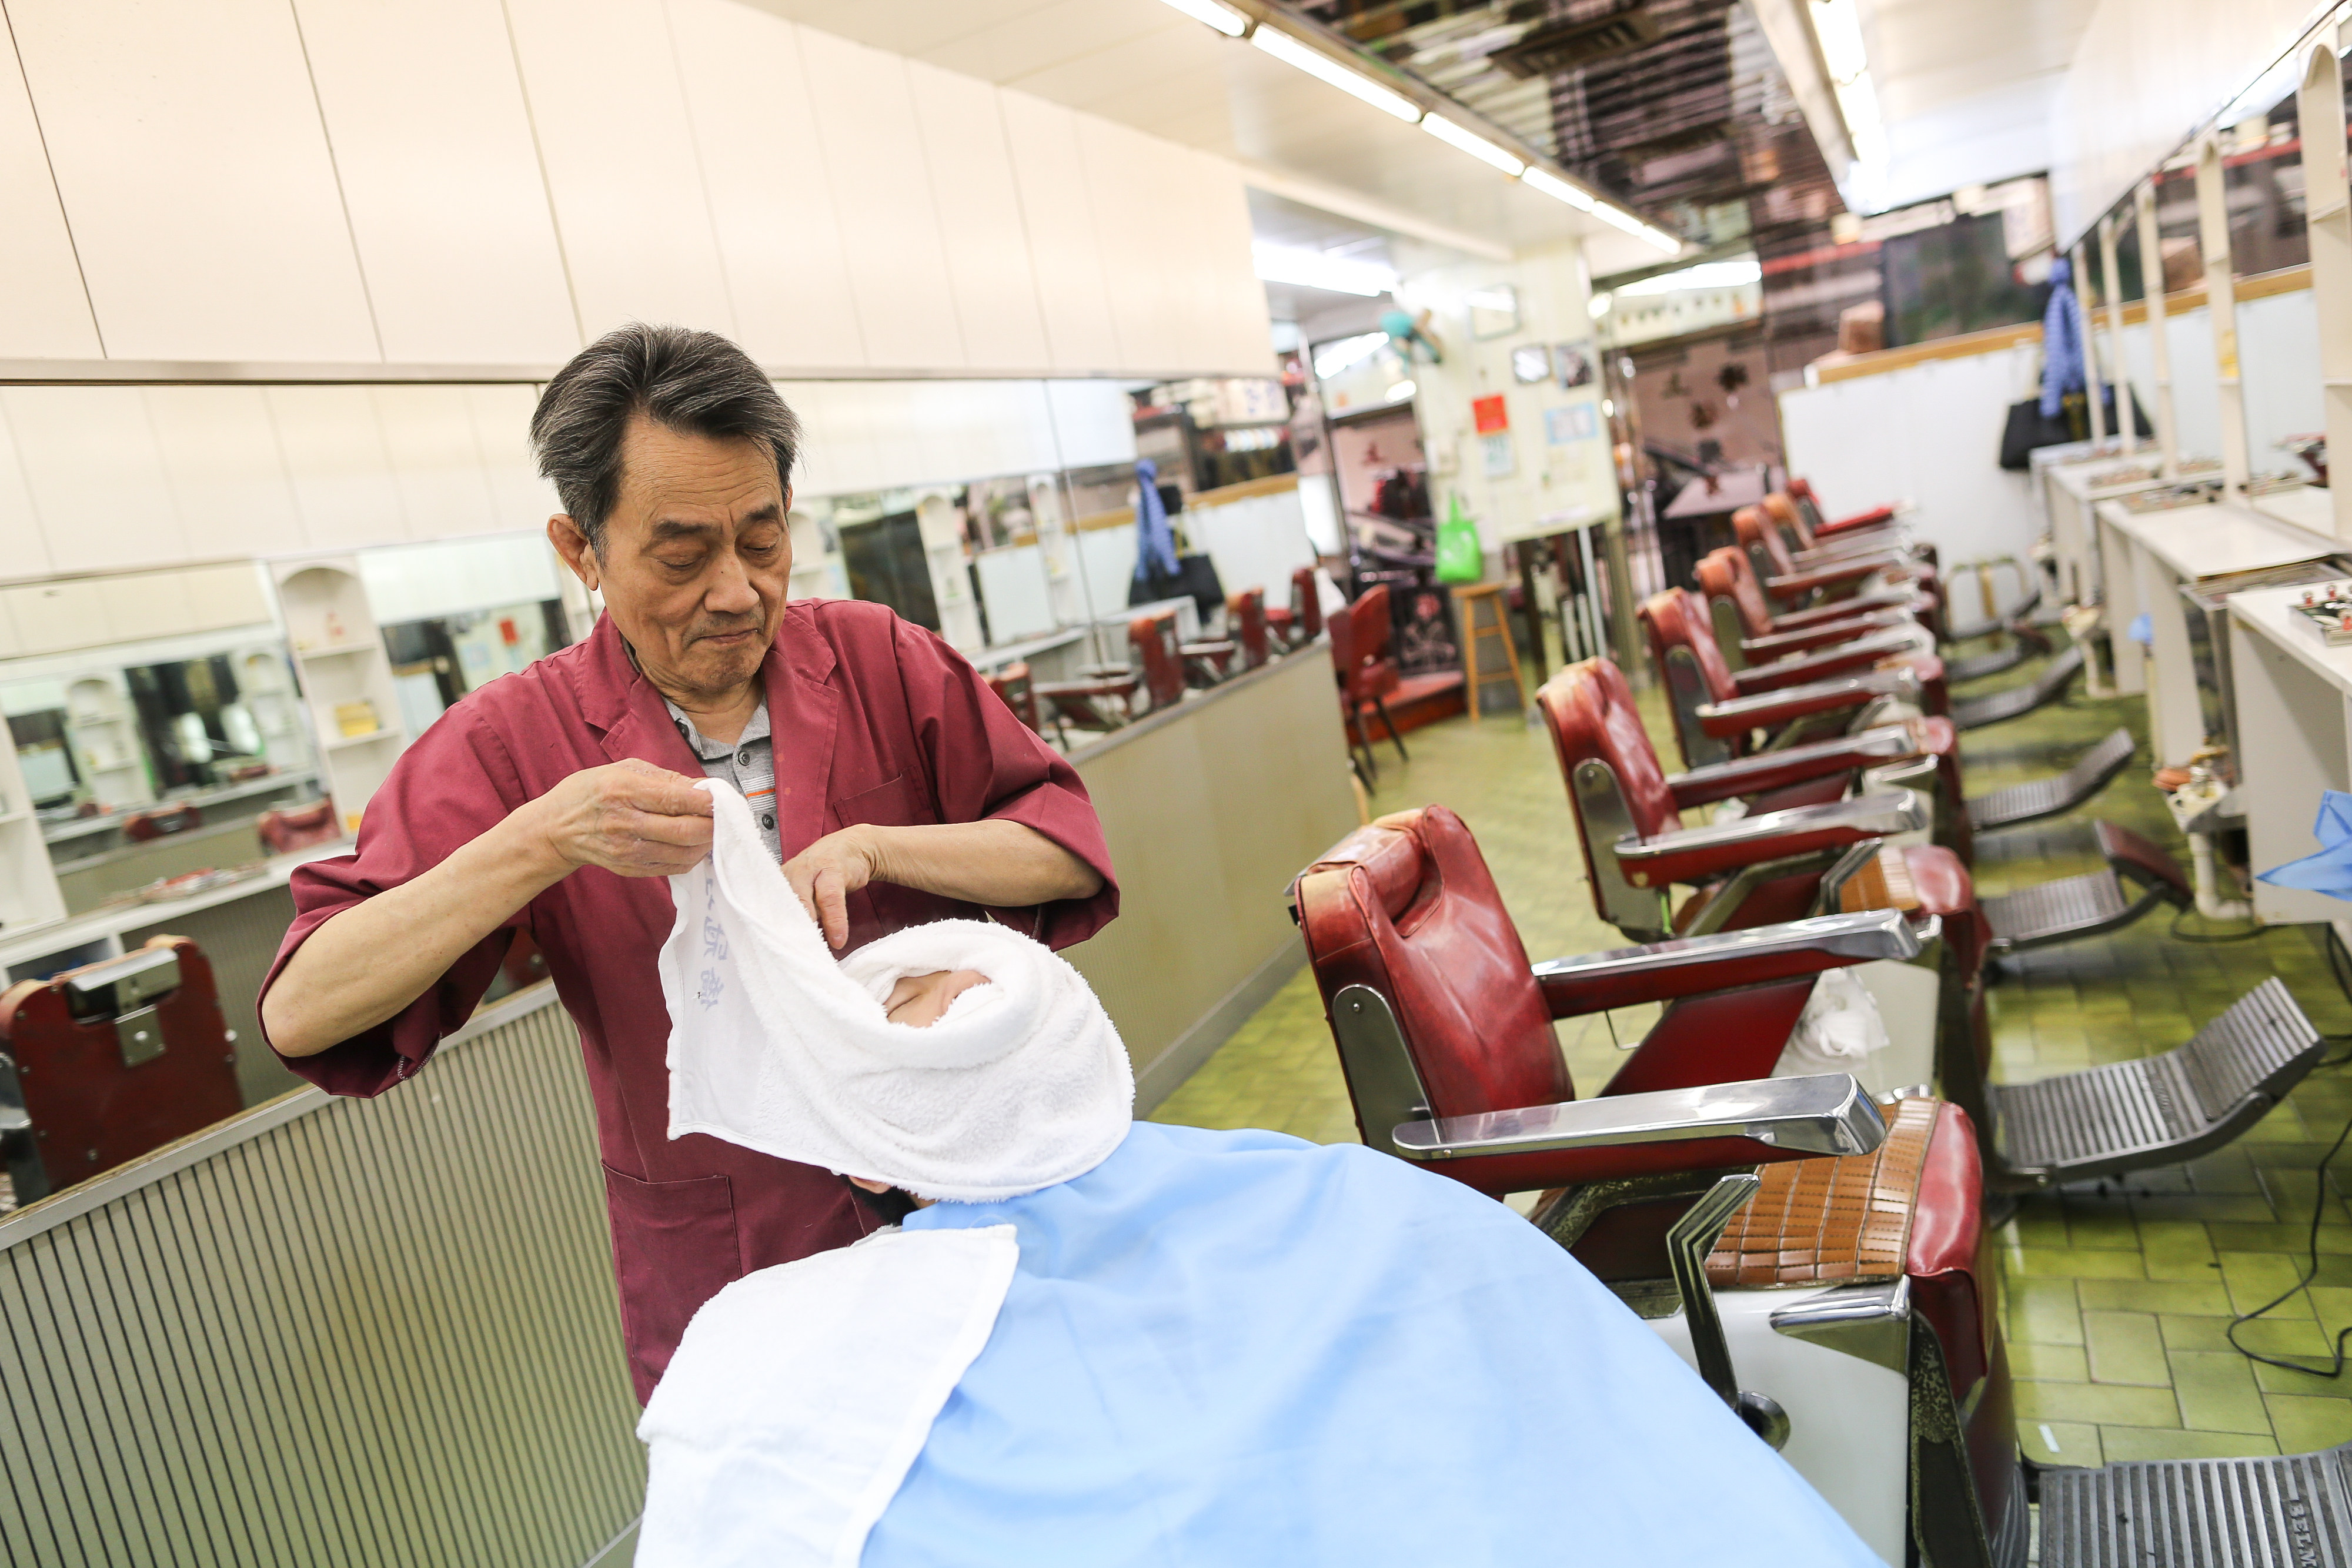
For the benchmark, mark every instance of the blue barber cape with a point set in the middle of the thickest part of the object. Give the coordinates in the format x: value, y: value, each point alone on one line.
x: 1238, y: 1348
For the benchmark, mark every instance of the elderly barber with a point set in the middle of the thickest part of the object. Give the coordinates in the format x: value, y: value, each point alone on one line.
x: 890, y: 784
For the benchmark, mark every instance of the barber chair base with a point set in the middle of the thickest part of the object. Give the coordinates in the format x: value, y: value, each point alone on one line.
x: 2016, y: 702
x: 2010, y: 617
x: 2092, y: 772
x: 2186, y: 1513
x: 2161, y: 1110
x: 2074, y: 907
x: 1849, y: 1419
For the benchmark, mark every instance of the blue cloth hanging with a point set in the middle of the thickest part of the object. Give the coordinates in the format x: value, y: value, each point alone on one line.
x: 2061, y: 340
x: 2329, y: 871
x: 1155, y: 541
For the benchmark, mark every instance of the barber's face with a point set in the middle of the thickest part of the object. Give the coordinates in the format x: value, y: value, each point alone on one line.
x: 697, y: 557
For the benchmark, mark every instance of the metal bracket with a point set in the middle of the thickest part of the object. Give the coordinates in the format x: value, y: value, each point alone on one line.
x: 1685, y: 690
x: 1381, y: 1079
x: 140, y: 1036
x: 1640, y: 913
x: 1688, y: 1242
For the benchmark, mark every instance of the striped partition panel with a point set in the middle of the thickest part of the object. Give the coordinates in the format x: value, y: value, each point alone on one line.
x: 330, y: 1332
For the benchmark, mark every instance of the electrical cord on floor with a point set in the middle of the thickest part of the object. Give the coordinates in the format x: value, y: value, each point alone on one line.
x: 2310, y: 1272
x: 2248, y: 935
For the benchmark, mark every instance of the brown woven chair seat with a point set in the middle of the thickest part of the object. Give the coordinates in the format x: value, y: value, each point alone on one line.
x: 1818, y: 1221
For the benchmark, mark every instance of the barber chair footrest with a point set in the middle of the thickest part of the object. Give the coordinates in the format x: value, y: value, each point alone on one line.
x: 2062, y: 792
x: 1977, y: 666
x: 2016, y: 702
x: 2065, y: 910
x: 2164, y: 1110
x: 2186, y: 1513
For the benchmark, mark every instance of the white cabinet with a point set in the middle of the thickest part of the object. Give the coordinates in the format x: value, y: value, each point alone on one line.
x: 772, y: 202
x: 432, y: 146
x: 618, y: 151
x: 43, y: 313
x: 1059, y: 216
x: 28, y: 887
x: 890, y: 227
x: 991, y: 281
x: 195, y: 174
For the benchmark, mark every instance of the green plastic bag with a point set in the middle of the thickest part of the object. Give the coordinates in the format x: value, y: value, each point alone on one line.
x: 1459, y: 558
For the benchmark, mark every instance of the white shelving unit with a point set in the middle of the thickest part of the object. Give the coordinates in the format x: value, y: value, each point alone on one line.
x: 343, y: 675
x: 104, y: 737
x: 29, y: 898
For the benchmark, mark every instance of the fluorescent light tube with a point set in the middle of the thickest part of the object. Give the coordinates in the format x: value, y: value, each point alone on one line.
x: 1224, y: 18
x: 1314, y: 269
x: 1478, y: 147
x: 1315, y: 63
x: 1558, y: 189
x: 1616, y: 217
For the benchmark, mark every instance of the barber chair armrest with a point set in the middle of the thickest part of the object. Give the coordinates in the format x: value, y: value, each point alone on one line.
x: 1774, y: 1118
x: 1877, y: 517
x: 1695, y: 854
x: 1764, y: 710
x: 1832, y: 574
x: 1892, y: 541
x: 1118, y: 686
x: 1214, y: 648
x: 1859, y: 654
x: 1693, y: 965
x: 1793, y: 765
x: 1820, y: 633
x: 1847, y: 609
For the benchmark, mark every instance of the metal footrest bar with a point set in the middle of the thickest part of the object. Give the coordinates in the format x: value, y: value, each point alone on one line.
x: 2016, y: 702
x: 2062, y: 792
x: 2162, y: 1109
x: 1977, y: 666
x: 2065, y: 910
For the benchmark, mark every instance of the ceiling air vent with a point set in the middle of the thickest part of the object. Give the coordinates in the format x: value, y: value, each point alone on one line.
x: 1565, y: 44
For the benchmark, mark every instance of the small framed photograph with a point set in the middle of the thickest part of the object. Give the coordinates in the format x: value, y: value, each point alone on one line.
x: 1530, y: 363
x: 1574, y: 363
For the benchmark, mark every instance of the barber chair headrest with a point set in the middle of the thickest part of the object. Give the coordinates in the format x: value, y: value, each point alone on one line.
x: 1307, y: 602
x: 1407, y: 907
x: 1678, y: 618
x: 288, y: 829
x: 142, y: 826
x: 1726, y: 574
x: 1590, y: 711
x: 1756, y: 532
x: 1783, y: 512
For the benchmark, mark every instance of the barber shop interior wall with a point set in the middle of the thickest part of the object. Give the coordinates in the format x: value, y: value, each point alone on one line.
x: 1552, y: 462
x: 493, y: 182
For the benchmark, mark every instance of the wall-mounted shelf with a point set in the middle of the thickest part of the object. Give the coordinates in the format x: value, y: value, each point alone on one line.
x: 340, y: 663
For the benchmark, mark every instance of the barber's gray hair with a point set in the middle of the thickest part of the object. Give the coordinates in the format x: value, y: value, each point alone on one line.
x: 697, y: 383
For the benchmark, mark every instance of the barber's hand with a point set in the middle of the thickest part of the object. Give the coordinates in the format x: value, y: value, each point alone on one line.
x: 630, y: 818
x: 826, y: 872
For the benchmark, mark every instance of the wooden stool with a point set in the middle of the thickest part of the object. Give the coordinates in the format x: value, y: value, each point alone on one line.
x: 1484, y: 618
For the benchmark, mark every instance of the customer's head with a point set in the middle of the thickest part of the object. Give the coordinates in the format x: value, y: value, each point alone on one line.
x: 672, y: 455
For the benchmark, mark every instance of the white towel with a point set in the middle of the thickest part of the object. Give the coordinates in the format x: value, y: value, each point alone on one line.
x: 775, y: 1046
x: 801, y: 1394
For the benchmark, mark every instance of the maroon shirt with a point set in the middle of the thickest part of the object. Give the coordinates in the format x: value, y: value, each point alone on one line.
x: 874, y: 721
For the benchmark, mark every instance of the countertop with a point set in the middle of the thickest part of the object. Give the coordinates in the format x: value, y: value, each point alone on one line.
x: 2303, y: 508
x: 2217, y: 536
x: 2263, y: 613
x: 33, y: 942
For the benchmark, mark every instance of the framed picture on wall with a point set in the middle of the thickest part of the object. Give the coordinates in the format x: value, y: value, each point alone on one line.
x: 1530, y: 363
x: 1574, y: 363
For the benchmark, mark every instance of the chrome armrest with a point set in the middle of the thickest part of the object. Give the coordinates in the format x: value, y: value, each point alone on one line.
x: 1900, y: 681
x: 1828, y: 1114
x: 1877, y: 816
x: 1862, y: 937
x: 1886, y: 741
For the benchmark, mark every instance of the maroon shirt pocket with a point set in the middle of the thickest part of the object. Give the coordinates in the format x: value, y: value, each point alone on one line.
x: 900, y: 801
x: 674, y: 1248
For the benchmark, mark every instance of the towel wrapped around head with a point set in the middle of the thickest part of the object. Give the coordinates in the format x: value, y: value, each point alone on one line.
x: 775, y: 1046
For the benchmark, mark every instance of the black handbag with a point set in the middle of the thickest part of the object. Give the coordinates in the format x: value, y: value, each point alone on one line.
x: 2026, y: 430
x: 1195, y: 578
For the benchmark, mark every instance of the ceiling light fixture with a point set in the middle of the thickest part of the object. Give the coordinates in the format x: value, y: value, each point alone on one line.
x: 1322, y: 67
x: 1338, y: 356
x: 1617, y: 217
x: 1837, y: 28
x: 1224, y: 18
x: 1558, y: 189
x: 1478, y: 147
x: 1319, y: 269
x: 1705, y: 275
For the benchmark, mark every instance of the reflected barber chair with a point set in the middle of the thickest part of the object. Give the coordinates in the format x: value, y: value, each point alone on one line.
x: 1780, y: 864
x: 290, y: 828
x: 1814, y: 584
x: 1809, y: 504
x: 1245, y: 623
x: 113, y: 1059
x: 1016, y: 690
x: 1747, y: 630
x: 1814, y: 529
x: 1359, y: 655
x: 1300, y: 621
x: 1833, y: 1283
x: 1108, y: 696
x: 144, y: 827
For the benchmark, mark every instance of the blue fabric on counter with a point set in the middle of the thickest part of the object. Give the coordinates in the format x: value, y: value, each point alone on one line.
x: 2061, y: 339
x: 1155, y: 541
x: 1239, y: 1348
x: 2143, y: 630
x: 2329, y: 871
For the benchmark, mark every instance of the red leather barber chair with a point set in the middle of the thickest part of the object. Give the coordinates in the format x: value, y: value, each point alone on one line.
x: 1017, y: 690
x: 1781, y: 511
x: 1808, y: 503
x: 1791, y: 586
x: 1779, y: 865
x: 1360, y: 653
x: 1245, y: 623
x: 1110, y: 695
x: 113, y: 1059
x: 1881, y: 522
x: 1301, y: 620
x: 290, y: 828
x: 1804, y: 1271
x: 142, y: 827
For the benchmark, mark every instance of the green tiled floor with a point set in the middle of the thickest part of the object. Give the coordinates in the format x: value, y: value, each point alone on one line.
x: 2115, y: 1295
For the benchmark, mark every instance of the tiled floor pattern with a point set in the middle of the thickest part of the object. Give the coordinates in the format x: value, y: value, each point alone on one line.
x: 2117, y: 1295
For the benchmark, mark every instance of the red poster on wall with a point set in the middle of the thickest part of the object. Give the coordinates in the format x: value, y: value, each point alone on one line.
x: 1490, y: 413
